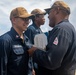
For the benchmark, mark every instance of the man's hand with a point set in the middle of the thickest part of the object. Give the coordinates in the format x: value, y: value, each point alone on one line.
x: 31, y: 51
x: 33, y: 72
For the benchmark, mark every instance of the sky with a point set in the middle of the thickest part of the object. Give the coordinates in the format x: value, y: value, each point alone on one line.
x: 7, y: 5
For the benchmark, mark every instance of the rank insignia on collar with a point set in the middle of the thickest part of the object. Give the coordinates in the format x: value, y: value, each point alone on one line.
x: 17, y: 36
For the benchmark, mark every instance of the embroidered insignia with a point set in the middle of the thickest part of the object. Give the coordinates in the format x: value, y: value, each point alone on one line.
x: 17, y: 36
x: 55, y: 41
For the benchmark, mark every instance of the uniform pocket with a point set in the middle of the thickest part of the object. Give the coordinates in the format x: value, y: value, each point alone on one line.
x: 18, y: 49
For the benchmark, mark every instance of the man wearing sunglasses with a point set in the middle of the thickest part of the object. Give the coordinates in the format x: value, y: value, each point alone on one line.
x: 14, y: 44
x: 60, y: 55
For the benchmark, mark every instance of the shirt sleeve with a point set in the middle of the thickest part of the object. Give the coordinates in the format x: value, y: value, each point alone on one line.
x: 56, y: 49
x: 3, y: 56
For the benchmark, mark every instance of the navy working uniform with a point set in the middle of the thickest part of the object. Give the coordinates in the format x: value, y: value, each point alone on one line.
x: 13, y: 54
x: 31, y: 31
x: 60, y: 55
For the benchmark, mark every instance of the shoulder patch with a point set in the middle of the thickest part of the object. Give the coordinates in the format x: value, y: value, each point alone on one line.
x: 55, y: 41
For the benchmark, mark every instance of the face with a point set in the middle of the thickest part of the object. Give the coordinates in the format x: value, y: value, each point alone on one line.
x: 41, y: 19
x: 21, y: 23
x: 52, y: 18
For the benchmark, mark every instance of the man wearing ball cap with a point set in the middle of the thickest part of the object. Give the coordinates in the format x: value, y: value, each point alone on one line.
x: 60, y: 55
x: 14, y: 44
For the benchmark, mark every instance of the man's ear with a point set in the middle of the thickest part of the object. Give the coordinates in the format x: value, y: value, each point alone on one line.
x: 13, y: 19
x: 57, y: 10
x: 36, y: 18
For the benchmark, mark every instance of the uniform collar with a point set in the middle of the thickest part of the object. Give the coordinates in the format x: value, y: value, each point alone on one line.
x: 35, y: 26
x: 65, y: 20
x: 14, y: 34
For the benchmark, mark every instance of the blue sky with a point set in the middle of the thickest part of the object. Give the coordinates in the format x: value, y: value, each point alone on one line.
x: 7, y: 5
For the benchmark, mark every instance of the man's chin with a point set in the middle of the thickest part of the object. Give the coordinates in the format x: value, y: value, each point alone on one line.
x: 51, y: 25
